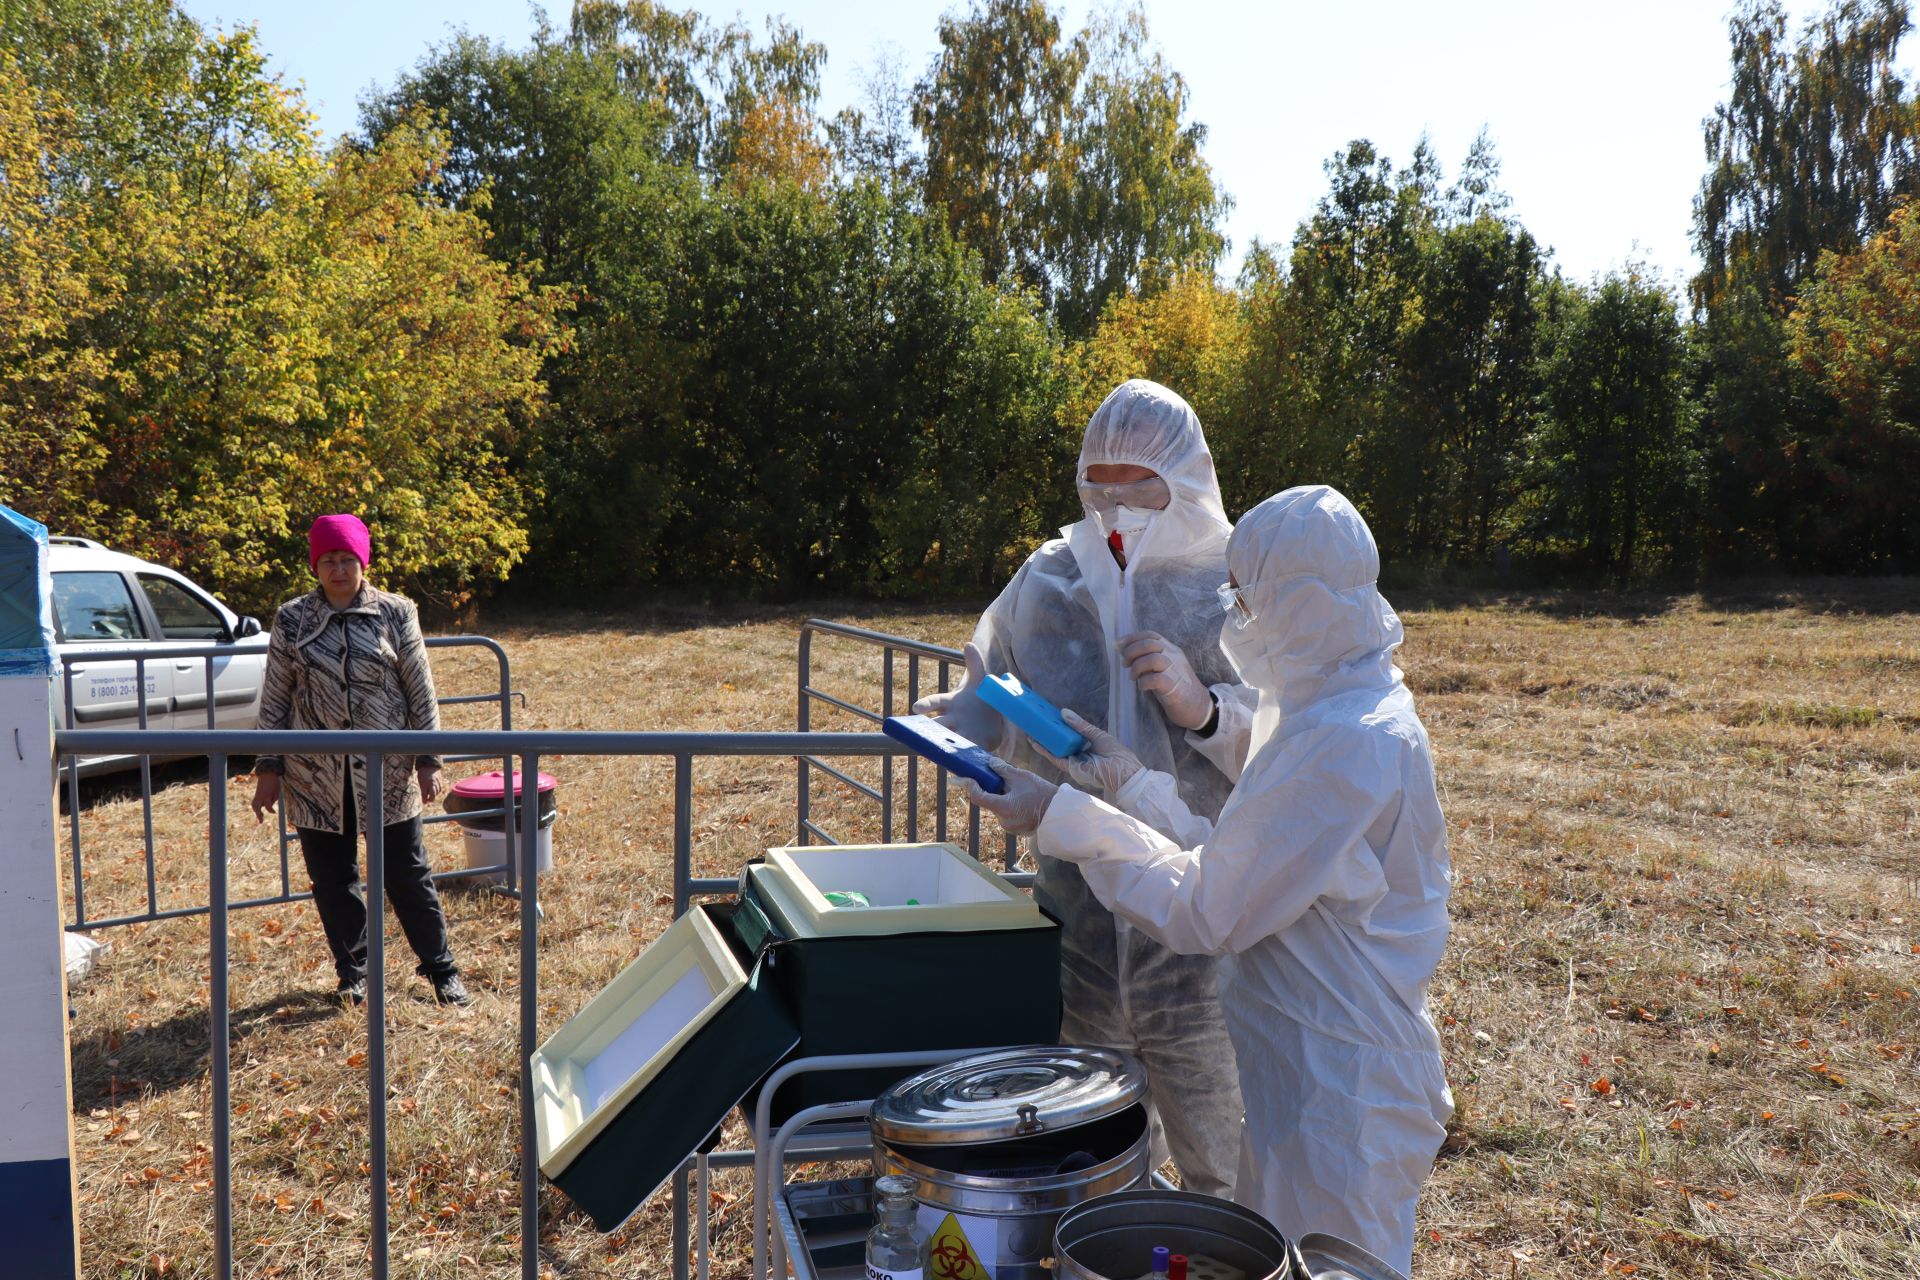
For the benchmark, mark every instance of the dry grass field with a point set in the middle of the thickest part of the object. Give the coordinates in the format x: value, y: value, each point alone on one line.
x: 1679, y: 1007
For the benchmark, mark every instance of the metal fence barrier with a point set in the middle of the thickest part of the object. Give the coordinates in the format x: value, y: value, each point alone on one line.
x: 811, y: 750
x: 76, y: 663
x: 915, y: 652
x: 529, y: 746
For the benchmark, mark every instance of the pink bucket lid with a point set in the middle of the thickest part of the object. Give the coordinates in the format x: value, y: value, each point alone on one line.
x: 493, y: 785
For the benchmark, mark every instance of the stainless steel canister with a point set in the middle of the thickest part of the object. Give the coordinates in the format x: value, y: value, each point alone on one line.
x: 1002, y: 1143
x: 1113, y: 1237
x: 1325, y: 1257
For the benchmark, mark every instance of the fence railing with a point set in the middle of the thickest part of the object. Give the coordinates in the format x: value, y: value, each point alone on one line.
x: 916, y: 653
x: 813, y: 752
x: 71, y: 763
x: 528, y: 746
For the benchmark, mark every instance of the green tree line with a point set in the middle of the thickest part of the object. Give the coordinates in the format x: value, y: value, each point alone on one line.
x: 621, y: 310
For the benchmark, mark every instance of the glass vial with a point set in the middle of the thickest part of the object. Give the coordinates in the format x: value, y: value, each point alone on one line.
x: 896, y: 1247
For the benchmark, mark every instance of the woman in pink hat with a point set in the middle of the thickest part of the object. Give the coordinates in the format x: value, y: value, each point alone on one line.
x: 350, y: 656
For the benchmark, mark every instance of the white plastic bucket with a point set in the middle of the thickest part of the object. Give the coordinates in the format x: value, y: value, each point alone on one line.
x: 489, y: 849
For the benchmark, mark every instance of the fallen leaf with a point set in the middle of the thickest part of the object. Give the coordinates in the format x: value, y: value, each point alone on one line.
x: 1602, y: 1086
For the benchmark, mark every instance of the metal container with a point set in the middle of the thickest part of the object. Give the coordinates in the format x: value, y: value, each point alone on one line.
x: 1112, y: 1238
x: 1003, y: 1143
x: 1325, y: 1257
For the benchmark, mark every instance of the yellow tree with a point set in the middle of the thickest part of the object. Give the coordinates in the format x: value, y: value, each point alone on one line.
x: 779, y: 139
x: 1188, y: 335
x: 48, y: 455
x: 994, y: 111
x: 430, y: 372
x: 217, y: 330
x: 1855, y: 331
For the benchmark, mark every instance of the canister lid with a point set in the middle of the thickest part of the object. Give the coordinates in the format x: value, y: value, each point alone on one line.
x: 1331, y: 1258
x: 1012, y: 1093
x: 494, y: 784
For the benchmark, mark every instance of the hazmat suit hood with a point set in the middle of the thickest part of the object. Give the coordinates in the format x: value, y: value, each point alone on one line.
x: 1308, y: 569
x: 1144, y: 424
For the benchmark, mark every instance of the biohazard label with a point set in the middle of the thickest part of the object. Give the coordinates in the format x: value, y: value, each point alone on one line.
x: 952, y: 1256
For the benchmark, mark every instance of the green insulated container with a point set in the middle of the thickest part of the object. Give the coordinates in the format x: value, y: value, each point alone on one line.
x: 641, y: 1077
x: 947, y: 956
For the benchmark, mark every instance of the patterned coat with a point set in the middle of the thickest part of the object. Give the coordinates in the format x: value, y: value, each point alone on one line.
x: 361, y: 667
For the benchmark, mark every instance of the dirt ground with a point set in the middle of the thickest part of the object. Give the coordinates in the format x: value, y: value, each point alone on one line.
x: 1678, y: 1007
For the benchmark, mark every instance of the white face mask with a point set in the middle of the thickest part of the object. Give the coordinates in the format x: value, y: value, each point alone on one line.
x: 1131, y: 523
x: 1242, y: 646
x: 1246, y: 649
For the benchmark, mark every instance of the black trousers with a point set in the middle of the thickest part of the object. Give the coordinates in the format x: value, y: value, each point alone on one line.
x: 333, y: 865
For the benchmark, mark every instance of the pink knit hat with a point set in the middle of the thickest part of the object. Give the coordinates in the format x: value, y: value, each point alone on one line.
x: 338, y: 533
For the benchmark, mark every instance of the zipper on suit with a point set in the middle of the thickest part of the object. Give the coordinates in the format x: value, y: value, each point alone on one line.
x: 1121, y: 723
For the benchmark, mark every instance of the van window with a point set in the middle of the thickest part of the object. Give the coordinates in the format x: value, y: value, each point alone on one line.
x: 183, y: 615
x: 95, y: 606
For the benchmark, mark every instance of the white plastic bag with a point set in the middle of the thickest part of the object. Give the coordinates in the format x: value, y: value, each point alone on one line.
x: 83, y: 953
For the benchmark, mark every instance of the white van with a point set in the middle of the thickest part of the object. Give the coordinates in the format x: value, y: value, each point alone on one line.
x: 104, y: 601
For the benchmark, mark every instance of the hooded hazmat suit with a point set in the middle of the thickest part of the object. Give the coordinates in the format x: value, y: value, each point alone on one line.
x: 1056, y: 627
x: 1324, y: 880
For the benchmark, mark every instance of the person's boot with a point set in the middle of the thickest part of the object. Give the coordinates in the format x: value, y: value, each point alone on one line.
x: 448, y: 989
x: 351, y: 991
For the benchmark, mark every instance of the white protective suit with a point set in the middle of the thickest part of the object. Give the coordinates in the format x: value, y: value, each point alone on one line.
x: 1325, y: 879
x: 1056, y: 627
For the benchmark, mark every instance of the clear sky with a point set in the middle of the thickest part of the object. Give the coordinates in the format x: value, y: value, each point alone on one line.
x: 1595, y: 110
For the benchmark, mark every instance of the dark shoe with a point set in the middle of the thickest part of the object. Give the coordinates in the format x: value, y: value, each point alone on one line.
x: 448, y: 989
x: 352, y: 991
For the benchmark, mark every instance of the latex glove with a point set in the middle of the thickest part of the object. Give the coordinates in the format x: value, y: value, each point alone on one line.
x: 1022, y: 805
x: 1159, y: 667
x: 1105, y: 766
x: 962, y: 710
x: 266, y: 795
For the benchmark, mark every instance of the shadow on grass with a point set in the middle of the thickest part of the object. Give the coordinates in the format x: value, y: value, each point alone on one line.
x: 176, y: 1052
x: 1824, y: 597
x: 657, y: 617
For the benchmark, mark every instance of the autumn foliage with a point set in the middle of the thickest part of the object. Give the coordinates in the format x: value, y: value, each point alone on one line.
x: 619, y: 311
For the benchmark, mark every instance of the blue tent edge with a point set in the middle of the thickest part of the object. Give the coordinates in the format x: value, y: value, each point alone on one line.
x: 26, y: 612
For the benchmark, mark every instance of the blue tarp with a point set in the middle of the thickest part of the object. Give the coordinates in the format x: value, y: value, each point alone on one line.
x: 26, y: 610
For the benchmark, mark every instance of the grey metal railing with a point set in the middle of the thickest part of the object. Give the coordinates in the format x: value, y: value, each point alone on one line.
x: 207, y: 655
x: 811, y: 750
x: 916, y: 652
x: 528, y: 746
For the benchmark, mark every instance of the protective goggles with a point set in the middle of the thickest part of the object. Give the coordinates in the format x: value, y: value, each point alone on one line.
x: 1150, y: 494
x: 1233, y: 603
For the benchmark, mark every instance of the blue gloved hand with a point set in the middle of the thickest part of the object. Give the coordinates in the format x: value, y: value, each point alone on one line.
x: 1022, y: 805
x: 1105, y: 766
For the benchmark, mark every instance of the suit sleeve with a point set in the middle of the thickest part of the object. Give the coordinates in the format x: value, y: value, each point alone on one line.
x: 1226, y: 747
x: 1287, y: 843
